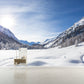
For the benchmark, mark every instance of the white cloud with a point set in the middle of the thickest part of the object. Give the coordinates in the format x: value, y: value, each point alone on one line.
x: 35, y: 28
x: 32, y: 22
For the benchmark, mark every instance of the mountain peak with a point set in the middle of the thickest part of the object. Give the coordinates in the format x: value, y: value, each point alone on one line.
x: 79, y: 23
x: 81, y: 20
x: 69, y: 36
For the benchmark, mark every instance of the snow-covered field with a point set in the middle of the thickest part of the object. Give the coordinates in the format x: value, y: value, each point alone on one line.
x: 69, y: 56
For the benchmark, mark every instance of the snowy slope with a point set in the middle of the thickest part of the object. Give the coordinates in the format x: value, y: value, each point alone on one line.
x: 73, y: 31
x: 69, y: 56
x: 7, y: 32
x: 80, y: 22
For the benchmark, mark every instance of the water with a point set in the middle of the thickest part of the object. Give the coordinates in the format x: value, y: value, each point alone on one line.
x: 42, y: 75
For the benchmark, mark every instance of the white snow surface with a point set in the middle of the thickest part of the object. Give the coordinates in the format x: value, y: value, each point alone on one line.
x: 69, y: 56
x: 7, y: 32
x: 80, y: 22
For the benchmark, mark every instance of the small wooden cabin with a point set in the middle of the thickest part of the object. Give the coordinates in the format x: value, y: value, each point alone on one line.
x: 22, y: 57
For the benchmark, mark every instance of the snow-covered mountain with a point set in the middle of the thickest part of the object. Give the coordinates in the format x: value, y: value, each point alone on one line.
x: 68, y: 37
x: 7, y: 32
x: 29, y: 43
x: 9, y: 41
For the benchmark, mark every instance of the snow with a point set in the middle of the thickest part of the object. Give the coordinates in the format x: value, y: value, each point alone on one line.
x: 80, y: 22
x: 59, y: 37
x: 69, y: 56
x: 48, y: 41
x: 7, y: 32
x: 49, y: 44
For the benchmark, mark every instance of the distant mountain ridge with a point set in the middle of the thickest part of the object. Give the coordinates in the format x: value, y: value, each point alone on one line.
x: 28, y: 43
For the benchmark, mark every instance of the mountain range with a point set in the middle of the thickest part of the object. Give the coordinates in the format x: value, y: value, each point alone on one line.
x: 74, y: 34
x: 29, y: 43
x: 9, y: 41
x: 69, y: 37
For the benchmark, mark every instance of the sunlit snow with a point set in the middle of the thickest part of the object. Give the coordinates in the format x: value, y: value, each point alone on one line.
x: 69, y: 56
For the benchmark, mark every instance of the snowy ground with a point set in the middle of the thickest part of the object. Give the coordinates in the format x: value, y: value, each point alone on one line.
x: 69, y: 56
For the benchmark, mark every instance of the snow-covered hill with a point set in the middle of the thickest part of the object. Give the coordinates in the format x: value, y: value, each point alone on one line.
x: 68, y: 37
x: 68, y: 56
x: 9, y: 41
x: 7, y: 32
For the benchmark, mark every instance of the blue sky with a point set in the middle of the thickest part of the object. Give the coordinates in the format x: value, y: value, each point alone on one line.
x: 37, y: 20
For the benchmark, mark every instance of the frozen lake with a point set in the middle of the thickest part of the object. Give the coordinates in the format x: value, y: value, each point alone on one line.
x: 42, y: 75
